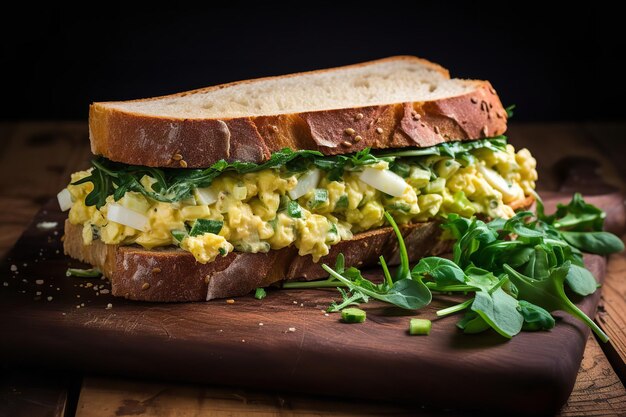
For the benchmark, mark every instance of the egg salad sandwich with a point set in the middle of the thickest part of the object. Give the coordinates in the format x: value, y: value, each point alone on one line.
x: 214, y: 192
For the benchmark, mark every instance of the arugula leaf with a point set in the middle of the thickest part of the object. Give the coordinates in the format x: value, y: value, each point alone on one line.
x: 509, y: 111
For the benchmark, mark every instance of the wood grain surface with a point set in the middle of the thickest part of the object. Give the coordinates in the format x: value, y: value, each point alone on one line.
x: 41, y: 155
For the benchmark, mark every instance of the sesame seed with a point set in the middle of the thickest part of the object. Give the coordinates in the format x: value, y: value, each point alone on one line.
x: 349, y: 131
x: 260, y: 324
x: 473, y: 100
x: 275, y: 128
x: 156, y: 270
x: 358, y: 138
x: 365, y: 244
x: 492, y: 91
x: 379, y: 130
x: 39, y: 282
x: 78, y: 306
x: 417, y: 116
x: 291, y: 329
x: 145, y: 286
x: 358, y: 116
x: 326, y: 314
x: 243, y: 340
x: 295, y: 302
x: 437, y: 129
x: 301, y: 304
x: 346, y: 143
x: 177, y: 157
x: 109, y: 306
x: 183, y: 163
x: 230, y: 301
x: 485, y: 130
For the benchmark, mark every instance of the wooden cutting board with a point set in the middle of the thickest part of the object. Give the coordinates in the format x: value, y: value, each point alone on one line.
x: 284, y: 342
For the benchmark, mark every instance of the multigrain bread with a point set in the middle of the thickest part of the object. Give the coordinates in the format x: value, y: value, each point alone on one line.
x: 389, y: 103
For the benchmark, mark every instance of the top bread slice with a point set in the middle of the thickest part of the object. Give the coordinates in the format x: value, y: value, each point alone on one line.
x: 389, y: 103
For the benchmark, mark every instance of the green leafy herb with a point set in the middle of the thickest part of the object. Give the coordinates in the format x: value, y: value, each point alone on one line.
x: 535, y: 317
x: 509, y: 111
x: 202, y: 226
x: 319, y: 198
x: 172, y: 184
x: 601, y: 243
x: 549, y: 294
x: 83, y: 273
x: 294, y: 210
x: 342, y: 202
x: 260, y: 293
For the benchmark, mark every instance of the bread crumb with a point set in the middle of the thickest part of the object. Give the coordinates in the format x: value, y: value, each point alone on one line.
x: 78, y: 306
x: 13, y: 268
x: 230, y: 301
x: 47, y: 225
x: 291, y: 329
x: 39, y: 282
x: 379, y: 130
x: 89, y: 285
x: 77, y: 295
x: 6, y: 284
x: 49, y: 298
x: 156, y: 270
x: 104, y: 291
x: 38, y: 293
x: 109, y: 306
x: 145, y: 286
x: 260, y: 324
x: 82, y: 304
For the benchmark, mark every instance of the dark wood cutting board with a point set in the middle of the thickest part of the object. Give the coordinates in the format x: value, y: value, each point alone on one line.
x: 283, y: 342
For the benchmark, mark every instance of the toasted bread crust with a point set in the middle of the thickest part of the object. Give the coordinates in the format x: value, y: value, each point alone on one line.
x: 171, y: 274
x: 152, y: 141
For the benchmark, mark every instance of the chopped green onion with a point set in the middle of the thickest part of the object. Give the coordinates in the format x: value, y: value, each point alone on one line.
x: 320, y: 196
x: 260, y: 293
x: 420, y: 327
x: 353, y: 315
x: 179, y: 235
x: 202, y: 226
x: 294, y: 210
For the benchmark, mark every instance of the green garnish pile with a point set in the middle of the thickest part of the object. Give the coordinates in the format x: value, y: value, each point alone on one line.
x: 176, y: 184
x: 513, y: 271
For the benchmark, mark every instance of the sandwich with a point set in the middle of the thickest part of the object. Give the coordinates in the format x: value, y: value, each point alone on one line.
x: 214, y: 192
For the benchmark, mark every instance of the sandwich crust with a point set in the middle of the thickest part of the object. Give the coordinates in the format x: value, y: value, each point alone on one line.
x: 173, y: 275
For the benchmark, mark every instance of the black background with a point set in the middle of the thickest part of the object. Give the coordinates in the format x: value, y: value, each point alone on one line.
x: 554, y: 65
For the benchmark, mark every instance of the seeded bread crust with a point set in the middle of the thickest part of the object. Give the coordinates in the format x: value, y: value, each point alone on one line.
x: 139, y: 139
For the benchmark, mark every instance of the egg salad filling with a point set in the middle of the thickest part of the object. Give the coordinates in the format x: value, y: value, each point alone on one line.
x: 301, y: 198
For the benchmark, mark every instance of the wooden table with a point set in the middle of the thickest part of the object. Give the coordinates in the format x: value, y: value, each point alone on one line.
x: 36, y: 160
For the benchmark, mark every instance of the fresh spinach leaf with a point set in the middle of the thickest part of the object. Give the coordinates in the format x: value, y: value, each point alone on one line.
x: 535, y: 317
x: 601, y: 243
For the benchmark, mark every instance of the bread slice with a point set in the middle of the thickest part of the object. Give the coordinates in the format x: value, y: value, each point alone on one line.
x: 171, y: 274
x: 389, y: 103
